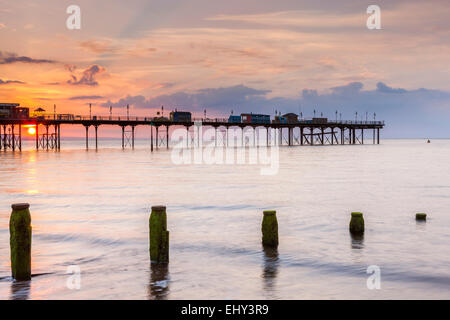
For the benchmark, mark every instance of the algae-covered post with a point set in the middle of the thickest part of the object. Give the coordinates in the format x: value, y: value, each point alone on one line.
x: 357, y: 223
x: 20, y: 241
x: 159, y: 236
x: 269, y: 228
x: 421, y: 216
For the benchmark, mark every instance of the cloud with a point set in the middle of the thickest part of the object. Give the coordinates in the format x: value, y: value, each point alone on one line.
x: 408, y: 113
x: 88, y: 76
x: 2, y: 82
x: 96, y: 46
x: 351, y: 88
x: 215, y: 98
x: 86, y: 98
x: 381, y: 87
x: 9, y: 58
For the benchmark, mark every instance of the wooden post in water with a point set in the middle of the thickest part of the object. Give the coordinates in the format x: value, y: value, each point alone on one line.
x: 357, y: 223
x: 421, y: 216
x: 20, y: 241
x: 159, y: 236
x: 269, y: 228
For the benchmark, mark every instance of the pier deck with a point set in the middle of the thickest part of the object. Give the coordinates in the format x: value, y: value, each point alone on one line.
x: 302, y: 132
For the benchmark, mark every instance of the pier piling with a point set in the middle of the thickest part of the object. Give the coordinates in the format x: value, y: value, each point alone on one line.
x: 357, y: 223
x: 20, y: 241
x: 269, y: 228
x: 159, y: 236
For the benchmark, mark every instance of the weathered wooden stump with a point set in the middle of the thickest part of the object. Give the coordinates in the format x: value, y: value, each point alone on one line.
x: 159, y: 236
x: 269, y: 228
x: 20, y: 241
x: 421, y: 216
x: 357, y: 223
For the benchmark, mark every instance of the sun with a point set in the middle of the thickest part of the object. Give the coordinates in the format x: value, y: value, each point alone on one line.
x: 31, y: 130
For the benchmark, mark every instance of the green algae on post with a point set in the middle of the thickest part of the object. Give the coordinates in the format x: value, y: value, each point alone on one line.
x: 269, y: 228
x: 20, y: 241
x: 357, y: 223
x: 421, y: 216
x: 159, y: 236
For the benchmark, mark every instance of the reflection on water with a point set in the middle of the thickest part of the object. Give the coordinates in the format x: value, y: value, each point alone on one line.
x: 158, y: 288
x: 91, y: 208
x: 421, y: 225
x: 357, y: 241
x: 20, y: 290
x: 271, y: 262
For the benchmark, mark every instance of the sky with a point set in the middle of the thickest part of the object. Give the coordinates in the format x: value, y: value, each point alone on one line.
x: 245, y: 56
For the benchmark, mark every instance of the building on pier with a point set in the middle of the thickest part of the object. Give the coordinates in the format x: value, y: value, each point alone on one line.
x: 13, y: 111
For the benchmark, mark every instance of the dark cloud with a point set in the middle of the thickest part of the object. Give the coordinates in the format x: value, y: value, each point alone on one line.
x: 88, y: 76
x: 353, y: 87
x: 10, y: 81
x: 9, y: 58
x: 86, y: 98
x: 215, y: 98
x: 408, y: 113
x: 381, y: 87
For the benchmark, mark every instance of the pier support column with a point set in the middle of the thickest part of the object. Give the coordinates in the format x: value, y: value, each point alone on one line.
x: 373, y: 139
x: 13, y: 138
x: 59, y: 137
x: 362, y: 136
x: 301, y: 136
x: 20, y: 241
x: 37, y: 136
x: 332, y: 135
x: 215, y: 137
x: 46, y: 136
x: 96, y: 137
x: 226, y: 137
x: 4, y: 136
x: 167, y: 137
x: 378, y: 135
x: 20, y: 137
x: 312, y: 136
x: 132, y: 137
x: 87, y: 137
x: 290, y: 136
x: 157, y: 137
x: 1, y: 138
x: 123, y: 137
x: 323, y: 135
x: 342, y: 136
x: 354, y: 136
x: 267, y: 136
x: 151, y: 138
x: 187, y: 136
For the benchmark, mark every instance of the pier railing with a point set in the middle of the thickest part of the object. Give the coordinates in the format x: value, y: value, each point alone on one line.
x: 71, y: 117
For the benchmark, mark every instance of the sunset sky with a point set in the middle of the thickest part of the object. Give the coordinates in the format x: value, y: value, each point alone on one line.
x: 233, y: 55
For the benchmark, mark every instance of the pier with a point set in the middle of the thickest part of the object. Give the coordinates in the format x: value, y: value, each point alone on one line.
x: 299, y: 133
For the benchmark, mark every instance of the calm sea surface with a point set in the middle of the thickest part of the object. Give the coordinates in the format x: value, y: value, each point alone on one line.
x: 91, y: 209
